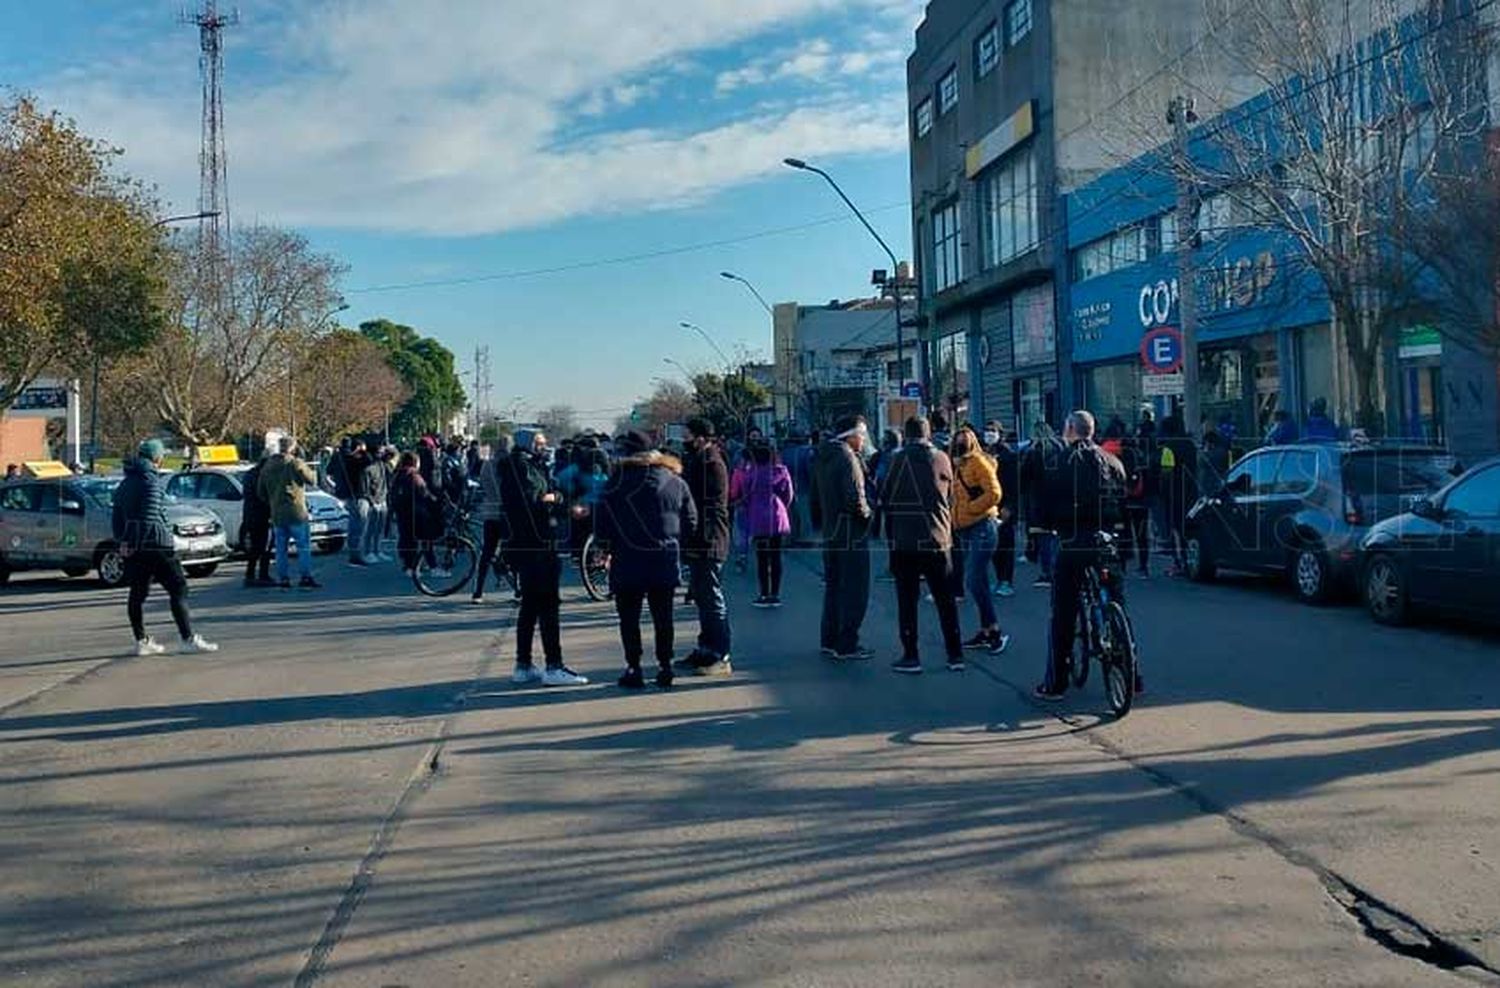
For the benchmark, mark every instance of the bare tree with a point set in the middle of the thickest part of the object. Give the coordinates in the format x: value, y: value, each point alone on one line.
x: 1367, y: 109
x: 558, y: 421
x: 345, y: 386
x: 237, y: 340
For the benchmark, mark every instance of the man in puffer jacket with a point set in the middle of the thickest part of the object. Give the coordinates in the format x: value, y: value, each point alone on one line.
x: 144, y: 535
x: 645, y: 512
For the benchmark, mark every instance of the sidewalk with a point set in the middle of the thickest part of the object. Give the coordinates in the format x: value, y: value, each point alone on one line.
x: 807, y: 823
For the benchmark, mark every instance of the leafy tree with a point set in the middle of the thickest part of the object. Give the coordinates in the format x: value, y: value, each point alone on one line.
x: 81, y: 262
x: 345, y: 387
x: 428, y: 370
x: 728, y: 400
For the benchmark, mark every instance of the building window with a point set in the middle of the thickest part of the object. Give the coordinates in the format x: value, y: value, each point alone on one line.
x: 1166, y: 232
x: 1125, y: 247
x: 948, y: 91
x: 1008, y: 223
x: 924, y: 118
x: 950, y: 376
x: 947, y: 251
x: 987, y: 51
x: 898, y: 371
x: 1017, y: 21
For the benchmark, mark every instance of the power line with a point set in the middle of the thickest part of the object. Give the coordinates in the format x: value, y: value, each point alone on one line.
x: 622, y: 259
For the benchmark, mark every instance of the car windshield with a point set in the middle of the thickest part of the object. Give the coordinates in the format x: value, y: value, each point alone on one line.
x: 101, y: 492
x: 1398, y: 472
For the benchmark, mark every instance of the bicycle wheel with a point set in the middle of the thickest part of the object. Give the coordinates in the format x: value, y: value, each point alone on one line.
x: 1078, y: 661
x: 448, y: 568
x: 593, y: 568
x: 1119, y: 659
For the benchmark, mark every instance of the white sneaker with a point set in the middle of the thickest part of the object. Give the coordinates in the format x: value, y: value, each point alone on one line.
x: 196, y: 644
x: 526, y: 675
x: 563, y: 676
x: 148, y: 646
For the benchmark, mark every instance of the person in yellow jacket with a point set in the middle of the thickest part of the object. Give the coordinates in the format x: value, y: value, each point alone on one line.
x: 976, y: 527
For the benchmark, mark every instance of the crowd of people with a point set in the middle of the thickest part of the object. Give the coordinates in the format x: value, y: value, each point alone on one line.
x: 946, y: 503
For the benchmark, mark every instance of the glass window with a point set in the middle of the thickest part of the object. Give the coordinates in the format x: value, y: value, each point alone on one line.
x: 947, y: 249
x: 1255, y: 475
x: 898, y: 371
x: 924, y: 118
x: 1477, y: 497
x: 48, y: 497
x: 1393, y: 473
x: 1298, y: 473
x: 987, y: 51
x: 1008, y: 221
x: 1017, y: 21
x: 950, y: 377
x: 184, y: 485
x: 1166, y: 232
x: 1113, y: 390
x: 948, y: 91
x: 21, y: 497
x: 217, y: 487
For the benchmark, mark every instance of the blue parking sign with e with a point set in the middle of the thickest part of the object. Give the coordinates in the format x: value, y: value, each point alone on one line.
x: 1161, y: 350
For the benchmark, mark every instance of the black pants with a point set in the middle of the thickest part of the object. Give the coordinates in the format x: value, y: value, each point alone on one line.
x: 409, y: 547
x: 489, y: 556
x: 258, y: 548
x: 910, y: 569
x: 142, y: 568
x: 846, y: 594
x: 1067, y: 582
x: 768, y: 564
x: 540, y: 574
x: 1005, y: 551
x: 1137, y: 535
x: 956, y: 571
x: 628, y: 607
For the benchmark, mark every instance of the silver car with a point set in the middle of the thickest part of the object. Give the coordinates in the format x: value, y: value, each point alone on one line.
x: 221, y: 490
x: 65, y: 524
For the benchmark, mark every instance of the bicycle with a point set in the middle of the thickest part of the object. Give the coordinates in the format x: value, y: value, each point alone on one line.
x: 446, y: 564
x: 1105, y: 633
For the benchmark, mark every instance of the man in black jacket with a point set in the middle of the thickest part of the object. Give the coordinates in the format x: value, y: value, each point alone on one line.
x: 707, y: 548
x: 1084, y: 497
x: 916, y: 500
x: 530, y: 506
x: 1009, y: 467
x: 255, y: 522
x: 643, y: 514
x: 841, y: 511
x: 144, y: 535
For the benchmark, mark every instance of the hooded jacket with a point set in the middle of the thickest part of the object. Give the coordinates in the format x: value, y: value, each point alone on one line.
x: 139, y: 515
x: 644, y: 512
x: 524, y: 481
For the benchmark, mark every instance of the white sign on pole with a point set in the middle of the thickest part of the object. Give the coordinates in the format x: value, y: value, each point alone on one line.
x: 1161, y: 385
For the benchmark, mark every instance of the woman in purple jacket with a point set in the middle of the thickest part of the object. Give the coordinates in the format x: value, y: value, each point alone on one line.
x: 764, y: 494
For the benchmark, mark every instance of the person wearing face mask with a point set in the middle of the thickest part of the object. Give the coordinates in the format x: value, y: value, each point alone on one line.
x: 1009, y: 466
x: 530, y: 503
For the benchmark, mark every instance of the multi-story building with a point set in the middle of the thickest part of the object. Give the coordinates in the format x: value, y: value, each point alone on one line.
x: 838, y: 359
x: 1013, y: 102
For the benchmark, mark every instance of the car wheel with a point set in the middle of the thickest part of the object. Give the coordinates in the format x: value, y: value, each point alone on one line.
x: 1200, y: 561
x: 111, y: 566
x: 1385, y: 591
x: 1310, y: 576
x: 199, y: 572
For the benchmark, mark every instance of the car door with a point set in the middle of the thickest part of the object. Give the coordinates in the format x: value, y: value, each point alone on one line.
x: 1471, y: 518
x: 17, y: 521
x: 1251, y: 486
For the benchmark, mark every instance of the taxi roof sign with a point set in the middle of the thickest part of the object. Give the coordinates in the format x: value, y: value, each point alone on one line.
x: 46, y: 469
x: 217, y: 454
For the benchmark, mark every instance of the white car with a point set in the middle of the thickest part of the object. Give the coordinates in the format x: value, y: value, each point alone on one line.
x: 220, y: 489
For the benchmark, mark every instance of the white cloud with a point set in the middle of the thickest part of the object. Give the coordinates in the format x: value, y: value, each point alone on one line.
x: 465, y: 118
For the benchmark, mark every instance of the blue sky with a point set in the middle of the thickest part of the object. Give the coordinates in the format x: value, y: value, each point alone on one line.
x: 459, y: 140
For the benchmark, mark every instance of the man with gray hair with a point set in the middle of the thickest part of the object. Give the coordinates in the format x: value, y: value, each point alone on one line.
x: 1084, y: 497
x: 841, y: 510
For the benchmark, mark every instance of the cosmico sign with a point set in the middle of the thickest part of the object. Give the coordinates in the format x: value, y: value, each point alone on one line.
x: 1157, y: 303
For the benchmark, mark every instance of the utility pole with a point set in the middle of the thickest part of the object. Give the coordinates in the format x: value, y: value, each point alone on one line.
x: 1181, y: 114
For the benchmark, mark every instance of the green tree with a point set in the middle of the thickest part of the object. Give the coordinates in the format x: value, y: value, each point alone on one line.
x: 728, y: 400
x: 345, y: 386
x: 428, y: 370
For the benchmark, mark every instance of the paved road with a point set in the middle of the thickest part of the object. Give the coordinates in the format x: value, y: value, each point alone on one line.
x: 352, y: 794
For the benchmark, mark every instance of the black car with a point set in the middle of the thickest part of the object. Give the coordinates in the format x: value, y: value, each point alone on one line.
x: 1302, y: 510
x: 1442, y: 555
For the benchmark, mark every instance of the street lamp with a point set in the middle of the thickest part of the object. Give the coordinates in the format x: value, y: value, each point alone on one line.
x: 803, y: 166
x: 685, y: 372
x: 94, y: 399
x: 731, y: 276
x: 694, y: 327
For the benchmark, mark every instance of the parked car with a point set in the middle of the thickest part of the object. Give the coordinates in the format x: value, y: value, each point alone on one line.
x: 1442, y: 555
x: 221, y: 489
x: 65, y: 524
x: 1302, y: 510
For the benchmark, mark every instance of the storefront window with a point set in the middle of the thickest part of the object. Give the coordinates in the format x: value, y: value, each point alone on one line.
x: 1317, y: 367
x: 1114, y: 390
x: 950, y: 376
x: 1221, y: 389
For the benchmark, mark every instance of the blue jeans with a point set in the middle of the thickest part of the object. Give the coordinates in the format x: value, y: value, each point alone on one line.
x: 303, y: 536
x: 707, y: 581
x: 1046, y: 550
x: 979, y: 541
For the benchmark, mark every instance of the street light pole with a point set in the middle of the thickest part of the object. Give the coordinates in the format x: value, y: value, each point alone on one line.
x: 801, y: 165
x: 94, y: 387
x: 731, y: 276
x: 728, y: 364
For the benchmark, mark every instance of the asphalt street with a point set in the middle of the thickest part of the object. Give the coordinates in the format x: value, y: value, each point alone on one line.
x: 352, y: 793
